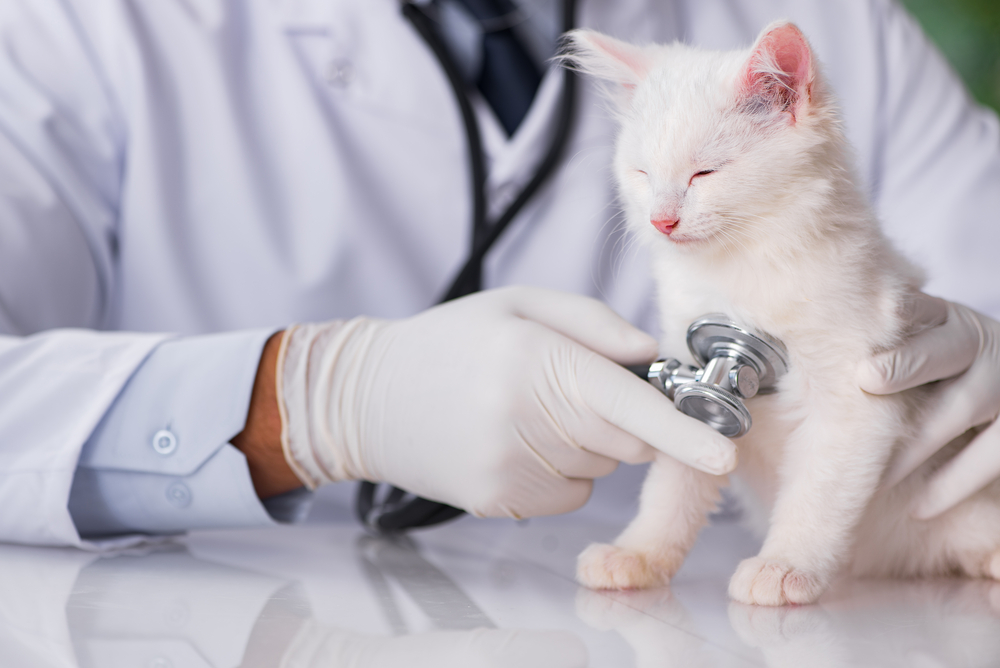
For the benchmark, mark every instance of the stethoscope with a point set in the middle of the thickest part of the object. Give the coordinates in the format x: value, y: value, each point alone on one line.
x: 736, y: 363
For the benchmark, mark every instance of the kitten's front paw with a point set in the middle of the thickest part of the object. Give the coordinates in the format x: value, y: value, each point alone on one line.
x: 603, y: 566
x: 759, y: 581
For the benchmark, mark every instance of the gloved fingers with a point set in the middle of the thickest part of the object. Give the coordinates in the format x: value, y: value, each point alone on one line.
x: 537, y: 495
x: 567, y: 495
x: 924, y: 312
x: 614, y: 443
x: 572, y: 460
x: 955, y: 407
x: 637, y: 408
x: 952, y: 412
x: 586, y: 435
x: 934, y: 354
x: 584, y: 320
x: 977, y: 465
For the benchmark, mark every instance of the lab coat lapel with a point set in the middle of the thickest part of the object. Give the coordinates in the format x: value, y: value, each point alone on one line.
x: 348, y: 48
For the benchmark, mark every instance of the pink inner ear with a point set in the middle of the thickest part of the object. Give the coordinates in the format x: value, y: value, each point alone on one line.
x: 780, y: 69
x: 790, y: 52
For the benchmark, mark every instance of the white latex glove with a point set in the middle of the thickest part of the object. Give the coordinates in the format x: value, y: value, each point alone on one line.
x: 507, y: 402
x: 962, y: 346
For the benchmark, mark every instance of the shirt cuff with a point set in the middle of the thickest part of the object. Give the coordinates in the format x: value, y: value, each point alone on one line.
x: 159, y: 462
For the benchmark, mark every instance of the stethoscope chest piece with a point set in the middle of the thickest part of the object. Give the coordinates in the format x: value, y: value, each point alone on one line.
x: 736, y: 364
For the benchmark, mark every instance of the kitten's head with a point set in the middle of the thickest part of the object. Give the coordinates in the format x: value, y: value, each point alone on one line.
x: 713, y: 145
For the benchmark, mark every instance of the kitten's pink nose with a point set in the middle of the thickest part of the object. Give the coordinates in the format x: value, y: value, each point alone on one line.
x: 665, y: 225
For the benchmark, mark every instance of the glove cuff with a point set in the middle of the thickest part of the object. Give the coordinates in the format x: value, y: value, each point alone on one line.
x: 315, y: 400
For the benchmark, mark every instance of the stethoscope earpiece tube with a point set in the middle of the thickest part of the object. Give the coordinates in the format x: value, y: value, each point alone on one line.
x: 468, y: 279
x: 399, y: 510
x: 485, y: 235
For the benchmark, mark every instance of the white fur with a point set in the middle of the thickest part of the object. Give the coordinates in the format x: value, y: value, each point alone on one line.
x: 781, y: 239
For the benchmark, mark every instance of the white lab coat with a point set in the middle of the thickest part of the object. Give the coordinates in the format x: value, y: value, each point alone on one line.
x: 195, y: 166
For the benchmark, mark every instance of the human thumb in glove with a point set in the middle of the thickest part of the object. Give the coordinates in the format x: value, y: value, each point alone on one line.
x: 504, y: 403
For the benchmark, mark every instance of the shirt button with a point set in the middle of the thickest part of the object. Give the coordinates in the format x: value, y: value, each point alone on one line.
x: 164, y: 442
x: 340, y: 73
x: 178, y: 495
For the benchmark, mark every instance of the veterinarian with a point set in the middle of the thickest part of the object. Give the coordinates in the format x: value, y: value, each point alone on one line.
x: 180, y: 181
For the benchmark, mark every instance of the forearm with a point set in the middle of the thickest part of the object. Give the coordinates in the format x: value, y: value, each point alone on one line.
x: 260, y: 440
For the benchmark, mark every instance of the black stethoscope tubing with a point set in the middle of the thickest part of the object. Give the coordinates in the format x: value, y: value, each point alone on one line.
x: 399, y: 510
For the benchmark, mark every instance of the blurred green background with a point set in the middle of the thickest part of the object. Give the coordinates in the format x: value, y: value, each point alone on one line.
x: 968, y: 32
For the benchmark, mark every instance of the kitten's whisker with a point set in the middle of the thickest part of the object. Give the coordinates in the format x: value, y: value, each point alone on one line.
x: 734, y: 241
x: 623, y: 243
x: 745, y: 232
x: 630, y: 243
x: 586, y: 153
x: 596, y: 270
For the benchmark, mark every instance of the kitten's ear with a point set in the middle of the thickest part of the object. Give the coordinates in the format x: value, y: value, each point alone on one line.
x: 606, y: 58
x: 780, y: 73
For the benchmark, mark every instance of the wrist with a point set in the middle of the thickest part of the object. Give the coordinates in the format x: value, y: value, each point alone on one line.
x: 260, y: 439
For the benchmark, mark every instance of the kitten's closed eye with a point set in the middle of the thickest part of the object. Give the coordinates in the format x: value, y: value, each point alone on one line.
x: 704, y: 172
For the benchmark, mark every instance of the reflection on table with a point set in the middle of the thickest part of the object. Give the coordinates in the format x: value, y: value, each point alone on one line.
x: 476, y: 593
x: 911, y: 624
x: 163, y: 607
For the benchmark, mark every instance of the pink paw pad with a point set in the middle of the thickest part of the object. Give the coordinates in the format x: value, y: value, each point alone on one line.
x: 760, y: 581
x: 603, y: 566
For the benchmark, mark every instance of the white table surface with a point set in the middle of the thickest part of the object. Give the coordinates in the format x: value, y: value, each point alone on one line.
x: 471, y: 593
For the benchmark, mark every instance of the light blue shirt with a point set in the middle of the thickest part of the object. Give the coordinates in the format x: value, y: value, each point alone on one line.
x: 160, y: 460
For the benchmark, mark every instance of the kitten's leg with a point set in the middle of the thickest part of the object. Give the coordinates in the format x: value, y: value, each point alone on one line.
x: 673, y: 507
x: 833, y: 462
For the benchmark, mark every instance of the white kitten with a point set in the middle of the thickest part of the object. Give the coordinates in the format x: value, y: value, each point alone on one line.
x: 734, y: 169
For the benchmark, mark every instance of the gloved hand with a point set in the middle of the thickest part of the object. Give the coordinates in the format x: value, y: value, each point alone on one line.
x: 507, y: 402
x: 963, y: 346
